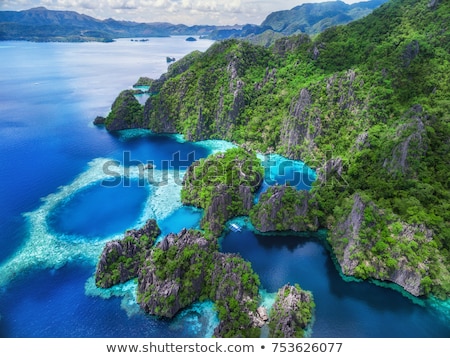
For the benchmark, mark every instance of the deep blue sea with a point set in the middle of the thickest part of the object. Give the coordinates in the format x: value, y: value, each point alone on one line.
x: 67, y: 187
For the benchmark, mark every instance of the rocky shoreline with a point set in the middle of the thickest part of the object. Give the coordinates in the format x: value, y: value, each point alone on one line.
x: 187, y: 267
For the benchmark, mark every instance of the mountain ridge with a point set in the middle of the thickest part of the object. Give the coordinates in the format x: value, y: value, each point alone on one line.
x: 313, y: 18
x: 41, y: 24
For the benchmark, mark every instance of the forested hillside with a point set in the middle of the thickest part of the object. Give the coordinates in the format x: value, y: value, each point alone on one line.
x: 366, y: 104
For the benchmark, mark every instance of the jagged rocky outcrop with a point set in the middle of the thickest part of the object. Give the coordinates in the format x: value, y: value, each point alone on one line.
x: 212, y: 107
x: 331, y: 169
x: 226, y: 116
x: 173, y: 275
x: 227, y: 203
x: 338, y: 103
x: 411, y: 51
x: 234, y: 289
x: 311, y: 116
x: 186, y: 267
x: 290, y: 44
x: 301, y: 127
x: 283, y: 208
x: 410, y: 144
x: 368, y: 243
x: 223, y: 185
x: 99, y: 120
x: 126, y: 113
x: 291, y: 313
x: 121, y: 259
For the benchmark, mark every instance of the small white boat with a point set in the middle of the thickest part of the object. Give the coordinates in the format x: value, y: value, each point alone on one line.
x: 235, y: 227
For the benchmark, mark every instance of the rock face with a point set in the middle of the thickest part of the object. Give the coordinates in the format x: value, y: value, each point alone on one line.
x: 126, y: 113
x: 211, y: 108
x: 332, y: 168
x: 227, y: 203
x: 307, y: 120
x: 284, y: 208
x: 99, y: 120
x: 410, y: 145
x: 121, y: 259
x: 234, y: 289
x: 187, y: 267
x: 173, y: 276
x: 223, y: 185
x: 410, y: 53
x: 291, y: 313
x: 290, y: 44
x: 302, y: 125
x: 368, y: 244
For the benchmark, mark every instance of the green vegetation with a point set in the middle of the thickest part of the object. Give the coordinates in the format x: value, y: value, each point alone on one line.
x: 291, y: 313
x: 187, y: 268
x: 315, y: 17
x: 366, y: 104
x: 126, y: 112
x: 283, y: 208
x: 222, y: 184
x: 143, y: 81
x: 121, y: 259
x: 234, y: 288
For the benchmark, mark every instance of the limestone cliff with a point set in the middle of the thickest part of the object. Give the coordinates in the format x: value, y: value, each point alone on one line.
x: 315, y: 111
x: 226, y: 203
x: 126, y: 113
x: 284, y: 208
x: 291, y: 313
x: 174, y: 274
x: 369, y: 109
x: 121, y: 259
x: 370, y: 244
x: 223, y: 185
x: 204, y: 96
x: 187, y: 267
x: 410, y: 144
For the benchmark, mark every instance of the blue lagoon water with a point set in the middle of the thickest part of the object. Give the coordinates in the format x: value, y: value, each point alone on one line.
x: 67, y: 187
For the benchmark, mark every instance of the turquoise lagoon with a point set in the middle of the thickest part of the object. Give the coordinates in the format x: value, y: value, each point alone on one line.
x: 67, y: 187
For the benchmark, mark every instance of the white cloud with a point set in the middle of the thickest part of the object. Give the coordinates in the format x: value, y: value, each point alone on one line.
x: 123, y: 4
x: 189, y: 12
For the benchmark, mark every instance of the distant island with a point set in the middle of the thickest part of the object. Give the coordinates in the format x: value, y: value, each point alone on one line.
x: 42, y: 25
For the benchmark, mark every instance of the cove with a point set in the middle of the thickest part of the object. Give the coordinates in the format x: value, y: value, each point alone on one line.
x: 343, y: 309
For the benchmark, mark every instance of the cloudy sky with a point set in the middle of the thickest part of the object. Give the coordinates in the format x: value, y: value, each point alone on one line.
x: 189, y: 12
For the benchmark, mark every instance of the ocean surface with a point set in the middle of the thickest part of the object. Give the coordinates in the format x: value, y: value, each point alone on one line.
x: 67, y: 187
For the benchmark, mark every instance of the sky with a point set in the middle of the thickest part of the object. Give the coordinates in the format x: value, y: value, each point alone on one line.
x: 188, y: 12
